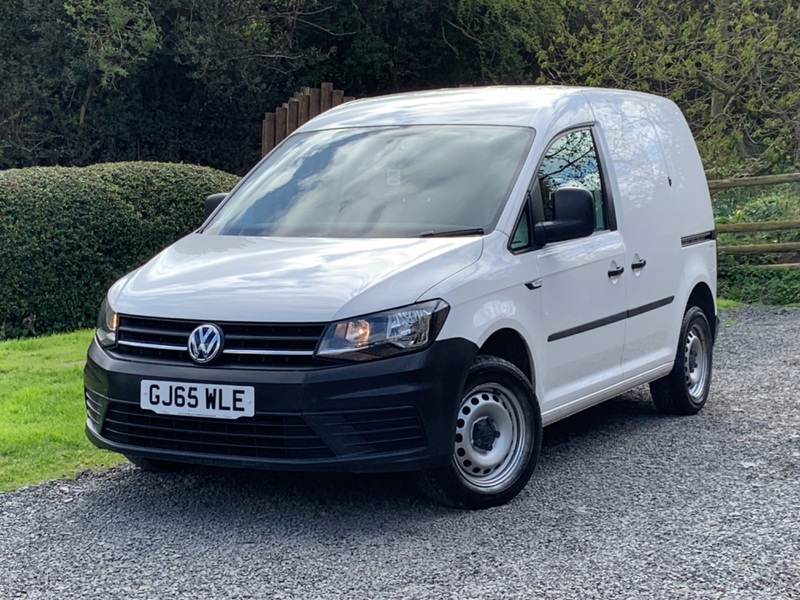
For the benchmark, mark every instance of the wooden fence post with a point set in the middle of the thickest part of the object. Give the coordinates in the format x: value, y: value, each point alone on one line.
x: 291, y: 116
x: 280, y: 124
x: 304, y: 105
x: 314, y: 106
x: 326, y: 96
x: 268, y: 134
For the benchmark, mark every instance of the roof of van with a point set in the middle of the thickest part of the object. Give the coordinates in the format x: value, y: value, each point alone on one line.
x: 526, y: 106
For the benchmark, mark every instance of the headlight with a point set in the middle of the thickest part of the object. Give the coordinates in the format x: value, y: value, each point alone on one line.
x: 107, y: 322
x: 385, y: 333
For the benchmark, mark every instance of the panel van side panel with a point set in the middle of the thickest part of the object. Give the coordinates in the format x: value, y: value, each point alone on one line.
x: 492, y: 294
x: 690, y: 198
x: 648, y: 222
x: 690, y: 195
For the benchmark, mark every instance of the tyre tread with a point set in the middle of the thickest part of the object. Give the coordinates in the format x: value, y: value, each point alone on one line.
x: 669, y: 392
x: 439, y: 485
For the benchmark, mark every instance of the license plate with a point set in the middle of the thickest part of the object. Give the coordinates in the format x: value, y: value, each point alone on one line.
x: 197, y: 399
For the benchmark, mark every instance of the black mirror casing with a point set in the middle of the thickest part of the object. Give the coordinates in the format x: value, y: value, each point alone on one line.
x: 573, y: 217
x: 213, y: 201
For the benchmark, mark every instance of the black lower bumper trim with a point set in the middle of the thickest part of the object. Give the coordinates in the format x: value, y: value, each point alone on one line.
x: 392, y: 414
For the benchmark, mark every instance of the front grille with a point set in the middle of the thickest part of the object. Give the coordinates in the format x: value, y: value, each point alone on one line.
x: 305, y: 436
x: 246, y: 344
x: 92, y: 409
x: 372, y: 431
x: 261, y: 436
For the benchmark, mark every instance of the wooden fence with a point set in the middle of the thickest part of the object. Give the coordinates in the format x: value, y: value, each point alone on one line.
x: 774, y: 247
x: 306, y: 104
x: 724, y: 184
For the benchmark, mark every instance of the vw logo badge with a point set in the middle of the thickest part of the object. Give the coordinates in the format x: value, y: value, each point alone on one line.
x: 205, y: 343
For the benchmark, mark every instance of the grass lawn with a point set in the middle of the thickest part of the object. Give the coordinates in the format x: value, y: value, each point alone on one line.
x: 42, y: 412
x: 725, y: 304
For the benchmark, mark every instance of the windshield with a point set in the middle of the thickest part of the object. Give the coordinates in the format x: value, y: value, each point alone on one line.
x: 379, y: 182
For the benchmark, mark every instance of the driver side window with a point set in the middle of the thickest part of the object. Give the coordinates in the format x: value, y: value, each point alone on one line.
x: 571, y: 161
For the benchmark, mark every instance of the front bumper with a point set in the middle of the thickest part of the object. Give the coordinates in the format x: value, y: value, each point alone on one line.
x: 394, y: 414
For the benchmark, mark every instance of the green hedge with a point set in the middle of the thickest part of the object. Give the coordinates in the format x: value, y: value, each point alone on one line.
x: 67, y: 233
x: 752, y: 285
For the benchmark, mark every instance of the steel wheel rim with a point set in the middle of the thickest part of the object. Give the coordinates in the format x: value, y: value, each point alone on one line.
x: 695, y: 361
x: 490, y: 411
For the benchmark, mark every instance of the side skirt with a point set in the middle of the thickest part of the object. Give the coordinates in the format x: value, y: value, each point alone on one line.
x: 576, y: 406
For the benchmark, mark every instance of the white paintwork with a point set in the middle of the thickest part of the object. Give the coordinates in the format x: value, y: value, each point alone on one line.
x: 654, y: 178
x: 517, y: 105
x: 646, y: 217
x: 580, y: 364
x: 224, y: 278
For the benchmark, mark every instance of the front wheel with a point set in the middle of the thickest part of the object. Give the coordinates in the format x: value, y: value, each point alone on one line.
x: 498, y: 438
x: 685, y: 390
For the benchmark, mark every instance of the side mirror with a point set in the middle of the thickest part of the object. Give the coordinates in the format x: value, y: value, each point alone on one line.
x: 573, y: 217
x: 213, y: 201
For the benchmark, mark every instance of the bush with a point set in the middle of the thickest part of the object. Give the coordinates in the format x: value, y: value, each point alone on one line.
x: 67, y: 233
x: 752, y: 285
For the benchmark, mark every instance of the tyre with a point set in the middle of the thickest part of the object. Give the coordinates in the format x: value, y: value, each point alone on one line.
x: 498, y: 439
x: 154, y: 465
x: 685, y: 390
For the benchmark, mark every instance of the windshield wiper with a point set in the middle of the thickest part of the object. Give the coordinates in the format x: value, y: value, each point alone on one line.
x: 453, y: 233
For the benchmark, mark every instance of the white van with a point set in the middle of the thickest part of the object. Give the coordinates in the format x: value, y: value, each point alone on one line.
x: 421, y: 282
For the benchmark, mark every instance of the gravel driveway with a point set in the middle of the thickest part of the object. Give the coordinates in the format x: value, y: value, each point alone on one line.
x: 626, y: 503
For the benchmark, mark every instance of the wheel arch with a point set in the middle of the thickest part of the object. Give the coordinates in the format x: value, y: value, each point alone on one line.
x: 507, y: 343
x: 703, y: 298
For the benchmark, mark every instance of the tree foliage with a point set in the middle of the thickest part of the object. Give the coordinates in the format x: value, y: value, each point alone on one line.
x: 85, y: 81
x: 732, y: 65
x: 398, y: 45
x: 114, y: 35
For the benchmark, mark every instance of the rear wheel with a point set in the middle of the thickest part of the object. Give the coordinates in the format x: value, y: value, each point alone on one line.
x: 498, y: 435
x: 685, y: 390
x: 154, y: 465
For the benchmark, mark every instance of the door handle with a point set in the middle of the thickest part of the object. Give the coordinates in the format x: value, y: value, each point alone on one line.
x: 534, y: 285
x: 616, y: 272
x: 639, y: 264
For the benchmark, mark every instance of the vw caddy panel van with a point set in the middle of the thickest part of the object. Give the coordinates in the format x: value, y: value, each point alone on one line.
x: 421, y: 282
